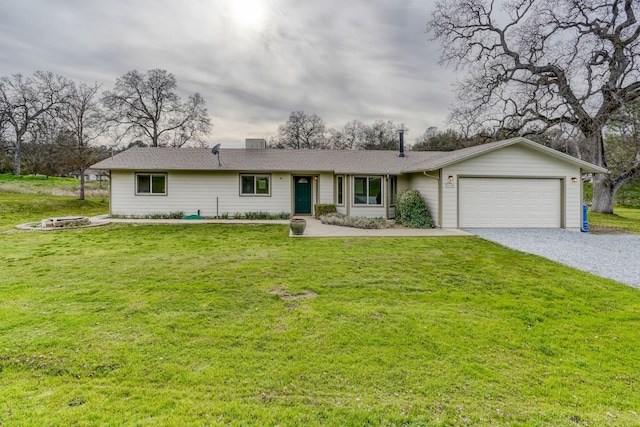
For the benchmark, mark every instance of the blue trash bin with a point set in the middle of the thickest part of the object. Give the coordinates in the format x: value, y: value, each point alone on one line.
x: 585, y: 219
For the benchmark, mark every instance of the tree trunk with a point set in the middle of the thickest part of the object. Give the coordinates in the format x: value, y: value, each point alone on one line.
x: 17, y: 159
x: 81, y: 184
x: 603, y: 192
x: 603, y: 188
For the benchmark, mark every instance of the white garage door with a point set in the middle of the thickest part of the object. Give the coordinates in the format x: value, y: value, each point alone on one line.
x: 509, y: 203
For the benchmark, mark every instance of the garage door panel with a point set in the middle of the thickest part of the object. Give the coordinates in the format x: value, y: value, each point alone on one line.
x: 509, y: 202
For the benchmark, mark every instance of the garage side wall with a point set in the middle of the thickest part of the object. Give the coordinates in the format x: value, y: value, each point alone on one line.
x: 189, y: 192
x: 428, y: 187
x: 514, y: 161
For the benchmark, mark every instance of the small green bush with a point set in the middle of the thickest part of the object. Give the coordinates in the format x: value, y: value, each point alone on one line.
x: 257, y: 215
x: 158, y: 215
x: 355, y: 221
x: 325, y: 209
x: 412, y: 210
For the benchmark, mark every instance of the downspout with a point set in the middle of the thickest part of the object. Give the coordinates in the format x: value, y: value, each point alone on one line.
x: 110, y: 195
x: 440, y: 198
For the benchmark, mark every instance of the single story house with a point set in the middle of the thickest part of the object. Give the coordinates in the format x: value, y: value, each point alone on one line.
x: 510, y: 183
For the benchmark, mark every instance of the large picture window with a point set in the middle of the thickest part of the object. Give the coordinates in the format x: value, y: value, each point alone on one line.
x: 151, y: 184
x: 367, y: 190
x: 340, y: 190
x: 255, y: 185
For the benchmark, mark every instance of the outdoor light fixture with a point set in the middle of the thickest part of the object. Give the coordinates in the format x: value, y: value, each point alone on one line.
x: 450, y: 178
x: 574, y: 180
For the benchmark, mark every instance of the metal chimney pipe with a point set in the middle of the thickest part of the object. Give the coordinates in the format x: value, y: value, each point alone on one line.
x: 401, y: 154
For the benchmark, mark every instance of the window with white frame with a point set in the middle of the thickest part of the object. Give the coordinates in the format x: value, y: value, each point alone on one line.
x: 340, y: 190
x: 255, y: 185
x: 367, y: 190
x: 151, y: 184
x: 393, y: 190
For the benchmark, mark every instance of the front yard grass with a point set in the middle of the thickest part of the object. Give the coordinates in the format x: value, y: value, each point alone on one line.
x: 52, y: 185
x: 19, y: 208
x: 187, y: 325
x: 625, y: 219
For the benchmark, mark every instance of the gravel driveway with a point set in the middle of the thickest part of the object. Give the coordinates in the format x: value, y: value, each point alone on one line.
x: 616, y: 257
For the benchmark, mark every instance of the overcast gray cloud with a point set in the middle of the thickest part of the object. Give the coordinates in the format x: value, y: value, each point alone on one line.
x: 254, y: 61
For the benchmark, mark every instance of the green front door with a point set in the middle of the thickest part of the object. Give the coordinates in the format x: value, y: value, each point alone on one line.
x: 302, y: 194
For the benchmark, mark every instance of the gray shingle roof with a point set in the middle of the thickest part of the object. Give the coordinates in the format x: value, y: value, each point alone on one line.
x: 239, y: 159
x: 336, y: 161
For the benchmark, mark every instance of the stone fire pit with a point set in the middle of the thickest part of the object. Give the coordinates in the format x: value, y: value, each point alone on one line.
x: 65, y: 221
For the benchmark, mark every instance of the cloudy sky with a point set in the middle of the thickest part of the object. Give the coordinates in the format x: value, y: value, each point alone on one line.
x: 253, y: 61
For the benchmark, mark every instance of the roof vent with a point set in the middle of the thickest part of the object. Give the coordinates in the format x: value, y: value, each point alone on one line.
x: 255, y: 144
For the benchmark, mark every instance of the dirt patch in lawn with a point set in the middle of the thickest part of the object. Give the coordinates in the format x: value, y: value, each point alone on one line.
x: 286, y: 296
x: 599, y: 229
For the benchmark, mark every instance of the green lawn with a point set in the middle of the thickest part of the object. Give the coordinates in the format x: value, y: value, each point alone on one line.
x: 40, y: 184
x: 180, y: 325
x: 624, y: 219
x: 18, y: 208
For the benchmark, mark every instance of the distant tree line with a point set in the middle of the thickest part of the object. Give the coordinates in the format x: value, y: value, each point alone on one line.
x: 52, y: 125
x: 308, y: 131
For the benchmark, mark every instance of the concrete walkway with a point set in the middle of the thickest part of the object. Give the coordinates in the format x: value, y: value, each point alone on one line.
x: 314, y: 227
x: 317, y: 229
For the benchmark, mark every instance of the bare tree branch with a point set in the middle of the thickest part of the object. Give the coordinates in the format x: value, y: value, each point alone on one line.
x: 148, y: 107
x: 543, y: 64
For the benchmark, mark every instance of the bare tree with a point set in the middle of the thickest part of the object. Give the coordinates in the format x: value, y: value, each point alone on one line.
x: 41, y: 153
x: 84, y: 121
x: 148, y: 107
x: 382, y: 135
x: 26, y: 101
x: 622, y: 140
x: 435, y: 140
x: 302, y: 131
x: 349, y: 137
x: 539, y: 64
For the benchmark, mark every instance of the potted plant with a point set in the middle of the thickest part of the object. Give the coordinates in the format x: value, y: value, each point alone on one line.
x: 297, y: 226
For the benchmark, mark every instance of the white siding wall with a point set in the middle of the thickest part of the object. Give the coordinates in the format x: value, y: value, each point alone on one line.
x: 513, y: 161
x: 368, y: 211
x: 404, y: 182
x: 428, y: 187
x: 327, y: 184
x: 190, y: 191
